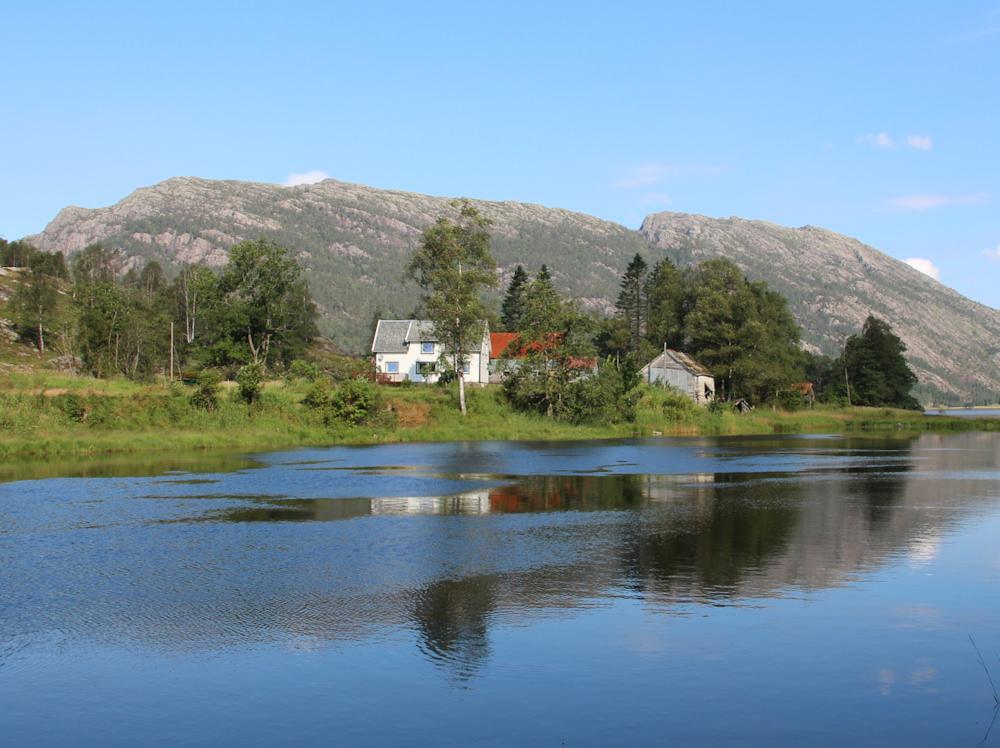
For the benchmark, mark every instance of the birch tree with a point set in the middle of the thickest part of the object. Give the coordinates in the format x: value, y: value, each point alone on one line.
x: 453, y: 266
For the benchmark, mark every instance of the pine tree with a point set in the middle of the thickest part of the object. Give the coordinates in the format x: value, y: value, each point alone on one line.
x: 665, y: 301
x: 512, y: 310
x: 632, y: 301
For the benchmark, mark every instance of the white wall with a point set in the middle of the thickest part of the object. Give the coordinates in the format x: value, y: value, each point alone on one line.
x: 409, y: 363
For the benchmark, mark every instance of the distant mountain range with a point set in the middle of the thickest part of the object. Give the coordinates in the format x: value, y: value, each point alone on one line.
x: 355, y: 242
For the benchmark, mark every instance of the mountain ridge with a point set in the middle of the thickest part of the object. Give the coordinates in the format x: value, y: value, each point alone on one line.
x: 354, y: 241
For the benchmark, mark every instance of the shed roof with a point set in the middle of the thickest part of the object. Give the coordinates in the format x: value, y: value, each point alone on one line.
x: 671, y: 359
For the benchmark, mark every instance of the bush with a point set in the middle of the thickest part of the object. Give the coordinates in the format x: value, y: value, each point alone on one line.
x: 318, y: 395
x: 609, y: 396
x: 791, y: 400
x: 674, y: 404
x: 355, y: 401
x: 206, y: 394
x: 720, y: 406
x: 73, y: 407
x: 446, y: 377
x: 302, y: 369
x: 248, y: 380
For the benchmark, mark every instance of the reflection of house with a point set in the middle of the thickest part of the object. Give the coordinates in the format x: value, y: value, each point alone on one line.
x: 506, y: 354
x: 408, y: 349
x: 682, y: 372
x: 471, y: 502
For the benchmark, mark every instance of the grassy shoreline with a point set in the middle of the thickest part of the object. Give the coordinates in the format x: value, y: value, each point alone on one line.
x: 50, y: 416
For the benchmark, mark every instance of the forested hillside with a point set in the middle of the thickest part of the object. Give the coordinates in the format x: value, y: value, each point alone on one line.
x: 355, y: 241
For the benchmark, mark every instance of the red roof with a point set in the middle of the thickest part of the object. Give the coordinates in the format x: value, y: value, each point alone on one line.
x: 501, y: 341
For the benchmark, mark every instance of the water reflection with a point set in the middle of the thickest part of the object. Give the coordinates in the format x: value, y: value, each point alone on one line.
x: 125, y: 466
x: 206, y: 570
x: 452, y: 619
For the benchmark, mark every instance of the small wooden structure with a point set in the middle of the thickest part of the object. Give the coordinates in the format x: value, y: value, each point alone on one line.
x: 682, y: 372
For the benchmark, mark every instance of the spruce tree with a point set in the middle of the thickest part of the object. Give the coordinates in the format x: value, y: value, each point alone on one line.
x: 665, y: 302
x: 512, y: 310
x: 632, y: 300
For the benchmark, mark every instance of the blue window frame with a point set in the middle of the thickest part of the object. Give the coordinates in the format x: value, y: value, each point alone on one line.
x: 427, y: 347
x: 392, y: 367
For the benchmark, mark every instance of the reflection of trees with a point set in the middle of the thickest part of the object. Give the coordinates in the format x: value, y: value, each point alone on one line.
x: 268, y: 509
x: 712, y: 551
x: 452, y: 618
x: 572, y: 492
x: 675, y: 538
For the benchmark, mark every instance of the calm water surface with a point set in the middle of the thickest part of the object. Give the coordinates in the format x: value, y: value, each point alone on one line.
x: 751, y: 591
x: 966, y: 412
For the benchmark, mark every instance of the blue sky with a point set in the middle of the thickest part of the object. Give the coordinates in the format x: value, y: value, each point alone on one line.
x: 878, y: 120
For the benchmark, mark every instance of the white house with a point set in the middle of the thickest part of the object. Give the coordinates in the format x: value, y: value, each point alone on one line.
x: 408, y: 349
x: 681, y: 371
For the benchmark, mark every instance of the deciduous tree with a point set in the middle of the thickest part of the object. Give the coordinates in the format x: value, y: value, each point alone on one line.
x: 453, y: 266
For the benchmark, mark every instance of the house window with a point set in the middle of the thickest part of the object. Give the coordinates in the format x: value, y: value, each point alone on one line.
x: 466, y: 367
x: 425, y: 368
x: 392, y: 367
x: 427, y: 348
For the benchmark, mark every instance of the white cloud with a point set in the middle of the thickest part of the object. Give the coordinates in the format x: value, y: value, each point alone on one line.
x: 879, y: 140
x: 650, y: 174
x: 992, y: 254
x: 926, y: 202
x: 885, y: 141
x: 925, y: 266
x: 919, y: 142
x: 657, y: 198
x: 309, y: 177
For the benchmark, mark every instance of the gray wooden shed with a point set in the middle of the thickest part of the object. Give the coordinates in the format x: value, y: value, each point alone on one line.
x: 681, y: 372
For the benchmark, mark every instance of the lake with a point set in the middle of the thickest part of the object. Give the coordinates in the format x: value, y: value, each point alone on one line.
x: 965, y: 412
x: 789, y: 590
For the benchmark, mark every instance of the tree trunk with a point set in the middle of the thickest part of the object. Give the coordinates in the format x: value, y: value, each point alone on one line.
x: 461, y: 384
x: 41, y: 338
x: 254, y: 350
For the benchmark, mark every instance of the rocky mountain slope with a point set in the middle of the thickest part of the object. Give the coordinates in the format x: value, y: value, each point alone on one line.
x: 833, y: 282
x: 355, y: 242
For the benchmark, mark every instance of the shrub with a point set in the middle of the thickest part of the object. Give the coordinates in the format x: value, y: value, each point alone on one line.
x: 674, y: 404
x: 206, y: 394
x: 318, y: 395
x: 73, y: 407
x: 608, y: 396
x: 302, y: 369
x: 248, y: 380
x: 355, y: 401
x: 791, y: 400
x: 720, y: 406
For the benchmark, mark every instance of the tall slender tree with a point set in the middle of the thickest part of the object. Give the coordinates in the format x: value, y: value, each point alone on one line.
x: 36, y: 297
x: 453, y: 265
x: 632, y: 301
x: 665, y: 299
x: 512, y: 309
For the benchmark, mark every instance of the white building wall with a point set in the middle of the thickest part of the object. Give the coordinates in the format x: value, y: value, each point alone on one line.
x: 409, y: 364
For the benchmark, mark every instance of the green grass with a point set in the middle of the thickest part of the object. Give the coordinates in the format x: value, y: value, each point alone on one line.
x: 55, y: 415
